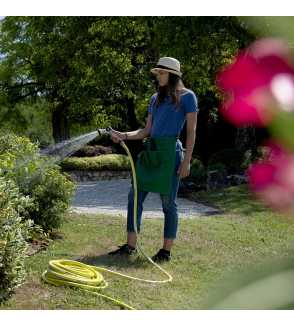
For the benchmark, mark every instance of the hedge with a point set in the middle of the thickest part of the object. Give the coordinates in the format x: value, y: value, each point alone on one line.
x: 13, y: 234
x: 103, y: 162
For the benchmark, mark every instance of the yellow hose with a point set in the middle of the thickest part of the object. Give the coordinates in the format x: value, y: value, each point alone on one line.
x: 89, y: 278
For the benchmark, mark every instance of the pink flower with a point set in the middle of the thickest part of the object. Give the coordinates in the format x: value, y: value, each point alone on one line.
x: 272, y: 179
x: 259, y: 78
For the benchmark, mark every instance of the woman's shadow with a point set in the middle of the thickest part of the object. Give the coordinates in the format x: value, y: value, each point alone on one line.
x: 119, y: 261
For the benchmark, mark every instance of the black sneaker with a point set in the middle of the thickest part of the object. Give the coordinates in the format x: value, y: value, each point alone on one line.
x: 124, y: 249
x: 161, y: 256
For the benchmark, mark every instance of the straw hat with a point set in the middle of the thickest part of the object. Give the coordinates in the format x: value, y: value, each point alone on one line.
x: 168, y: 64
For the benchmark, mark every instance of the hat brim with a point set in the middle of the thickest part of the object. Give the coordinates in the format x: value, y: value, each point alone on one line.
x: 156, y: 70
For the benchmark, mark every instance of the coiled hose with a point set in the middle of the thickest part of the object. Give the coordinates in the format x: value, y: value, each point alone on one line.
x: 89, y: 278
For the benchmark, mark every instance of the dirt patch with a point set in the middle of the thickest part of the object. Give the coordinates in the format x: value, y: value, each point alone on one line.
x: 36, y: 246
x: 31, y: 294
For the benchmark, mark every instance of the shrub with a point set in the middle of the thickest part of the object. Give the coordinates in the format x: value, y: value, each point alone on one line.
x: 231, y: 158
x: 198, y: 172
x: 103, y: 162
x: 251, y: 156
x: 216, y: 176
x: 92, y: 151
x: 37, y: 177
x: 51, y: 192
x: 218, y: 167
x: 13, y: 234
x: 16, y: 145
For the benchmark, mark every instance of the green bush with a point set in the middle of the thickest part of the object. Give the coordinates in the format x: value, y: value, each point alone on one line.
x: 13, y: 234
x: 51, y: 192
x: 218, y: 166
x: 37, y: 177
x: 198, y: 172
x: 18, y: 146
x: 92, y: 151
x: 103, y: 162
x: 251, y: 156
x: 231, y: 158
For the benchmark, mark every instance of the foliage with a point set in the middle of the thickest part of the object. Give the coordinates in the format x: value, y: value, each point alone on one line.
x: 198, y: 172
x: 220, y: 167
x: 13, y: 235
x: 37, y: 177
x: 92, y: 151
x: 93, y: 70
x: 29, y: 119
x: 249, y: 157
x: 102, y: 162
x: 15, y: 145
x: 141, y: 109
x: 52, y: 192
x: 101, y: 73
x: 231, y: 158
x: 271, y: 26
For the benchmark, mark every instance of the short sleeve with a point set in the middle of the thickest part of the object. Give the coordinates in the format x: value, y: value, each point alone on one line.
x: 151, y: 104
x: 189, y: 102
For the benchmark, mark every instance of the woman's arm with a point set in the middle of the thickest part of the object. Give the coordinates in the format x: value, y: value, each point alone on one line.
x: 191, y: 135
x: 141, y: 133
x: 184, y: 169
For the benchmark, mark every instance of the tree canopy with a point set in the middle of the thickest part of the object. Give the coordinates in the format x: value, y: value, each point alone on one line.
x: 97, y: 69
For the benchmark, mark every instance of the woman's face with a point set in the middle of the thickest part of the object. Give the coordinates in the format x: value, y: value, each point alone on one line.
x: 162, y: 77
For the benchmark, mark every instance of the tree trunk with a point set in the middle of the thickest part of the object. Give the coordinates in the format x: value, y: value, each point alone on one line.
x: 60, y: 124
x: 132, y: 121
x: 131, y: 124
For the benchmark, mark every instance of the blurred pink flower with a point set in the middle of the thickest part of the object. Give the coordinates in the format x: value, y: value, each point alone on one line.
x: 272, y: 179
x: 260, y: 77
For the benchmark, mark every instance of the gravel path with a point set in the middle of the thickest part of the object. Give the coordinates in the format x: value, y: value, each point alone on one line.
x: 110, y: 197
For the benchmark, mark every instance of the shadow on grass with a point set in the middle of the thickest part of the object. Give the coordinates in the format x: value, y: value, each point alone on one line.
x: 119, y: 261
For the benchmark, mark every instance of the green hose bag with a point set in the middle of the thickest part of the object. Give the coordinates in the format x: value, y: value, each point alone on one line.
x: 156, y: 165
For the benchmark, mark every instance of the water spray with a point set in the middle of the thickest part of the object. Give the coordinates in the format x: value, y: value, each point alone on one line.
x: 66, y: 148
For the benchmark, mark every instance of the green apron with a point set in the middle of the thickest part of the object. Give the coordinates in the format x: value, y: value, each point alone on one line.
x: 156, y: 165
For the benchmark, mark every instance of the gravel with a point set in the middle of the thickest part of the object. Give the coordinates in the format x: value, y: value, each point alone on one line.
x: 110, y: 197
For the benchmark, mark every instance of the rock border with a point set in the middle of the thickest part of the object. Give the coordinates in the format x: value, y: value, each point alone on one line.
x: 95, y: 175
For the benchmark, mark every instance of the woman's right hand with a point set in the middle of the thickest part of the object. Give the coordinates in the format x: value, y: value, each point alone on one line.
x: 116, y: 136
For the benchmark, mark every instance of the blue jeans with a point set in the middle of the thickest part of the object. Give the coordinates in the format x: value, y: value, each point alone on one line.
x: 169, y: 205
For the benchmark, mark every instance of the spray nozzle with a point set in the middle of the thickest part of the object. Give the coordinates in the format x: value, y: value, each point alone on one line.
x: 102, y: 131
x: 107, y: 130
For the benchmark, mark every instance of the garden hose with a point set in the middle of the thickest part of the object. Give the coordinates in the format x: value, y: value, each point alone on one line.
x: 89, y: 278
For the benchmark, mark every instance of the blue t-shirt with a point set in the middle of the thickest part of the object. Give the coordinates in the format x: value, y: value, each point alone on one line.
x: 169, y: 119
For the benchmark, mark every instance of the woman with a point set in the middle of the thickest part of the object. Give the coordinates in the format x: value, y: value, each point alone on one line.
x: 169, y: 108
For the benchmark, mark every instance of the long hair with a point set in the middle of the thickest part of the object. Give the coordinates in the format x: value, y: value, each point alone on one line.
x: 169, y: 90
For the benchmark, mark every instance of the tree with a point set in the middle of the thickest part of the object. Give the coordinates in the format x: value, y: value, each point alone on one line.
x: 39, y: 56
x: 85, y: 67
x: 98, y: 68
x: 204, y: 45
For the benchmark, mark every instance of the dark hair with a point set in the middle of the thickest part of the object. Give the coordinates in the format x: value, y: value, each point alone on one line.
x: 169, y: 90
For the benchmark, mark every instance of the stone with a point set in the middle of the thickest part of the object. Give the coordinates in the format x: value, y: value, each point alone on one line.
x: 84, y: 176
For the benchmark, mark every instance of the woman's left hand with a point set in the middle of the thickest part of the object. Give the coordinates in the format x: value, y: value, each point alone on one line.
x: 184, y: 169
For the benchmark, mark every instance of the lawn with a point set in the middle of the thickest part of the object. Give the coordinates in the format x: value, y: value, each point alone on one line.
x: 243, y: 236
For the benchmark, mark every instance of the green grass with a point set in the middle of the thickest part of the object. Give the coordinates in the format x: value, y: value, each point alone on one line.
x: 244, y: 236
